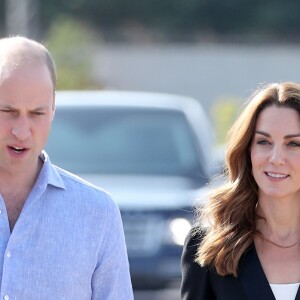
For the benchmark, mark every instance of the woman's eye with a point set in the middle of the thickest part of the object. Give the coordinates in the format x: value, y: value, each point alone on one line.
x: 262, y: 142
x: 294, y: 144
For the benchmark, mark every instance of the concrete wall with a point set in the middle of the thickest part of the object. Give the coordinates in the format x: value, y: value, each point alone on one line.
x: 206, y: 72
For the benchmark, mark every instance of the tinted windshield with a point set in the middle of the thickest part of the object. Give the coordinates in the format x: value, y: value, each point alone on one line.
x: 123, y: 141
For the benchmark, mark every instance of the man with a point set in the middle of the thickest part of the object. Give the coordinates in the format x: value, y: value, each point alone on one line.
x: 60, y: 237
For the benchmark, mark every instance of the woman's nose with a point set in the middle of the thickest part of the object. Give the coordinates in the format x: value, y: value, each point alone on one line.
x: 277, y: 156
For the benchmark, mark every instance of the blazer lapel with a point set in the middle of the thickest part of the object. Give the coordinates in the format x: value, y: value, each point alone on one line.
x: 253, y: 278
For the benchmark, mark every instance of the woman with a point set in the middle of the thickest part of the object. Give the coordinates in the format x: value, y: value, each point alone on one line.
x: 250, y: 245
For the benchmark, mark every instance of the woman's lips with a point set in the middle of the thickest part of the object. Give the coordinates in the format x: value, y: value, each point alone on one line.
x: 276, y: 175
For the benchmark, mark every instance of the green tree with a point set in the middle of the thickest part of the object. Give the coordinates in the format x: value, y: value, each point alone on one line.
x: 69, y: 41
x: 224, y: 112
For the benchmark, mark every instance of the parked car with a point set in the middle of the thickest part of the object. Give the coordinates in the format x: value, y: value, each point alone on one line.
x: 153, y: 153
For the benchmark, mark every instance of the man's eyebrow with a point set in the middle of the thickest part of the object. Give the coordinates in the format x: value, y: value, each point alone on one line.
x: 12, y: 107
x: 41, y: 107
x: 6, y: 106
x: 289, y: 136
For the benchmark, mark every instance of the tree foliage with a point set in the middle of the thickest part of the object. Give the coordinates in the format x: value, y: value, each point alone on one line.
x: 69, y: 42
x: 179, y: 19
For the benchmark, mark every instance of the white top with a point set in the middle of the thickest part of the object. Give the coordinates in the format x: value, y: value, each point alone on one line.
x: 285, y: 291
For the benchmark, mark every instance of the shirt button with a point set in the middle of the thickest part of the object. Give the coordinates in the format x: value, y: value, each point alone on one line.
x: 8, y: 254
x: 6, y: 297
x: 0, y: 211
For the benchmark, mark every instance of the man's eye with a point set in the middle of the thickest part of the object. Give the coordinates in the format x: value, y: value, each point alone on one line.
x: 38, y: 113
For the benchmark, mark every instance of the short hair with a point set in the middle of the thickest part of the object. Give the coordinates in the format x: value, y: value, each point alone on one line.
x: 17, y: 50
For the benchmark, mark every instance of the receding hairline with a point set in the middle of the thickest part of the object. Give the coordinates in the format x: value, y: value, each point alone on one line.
x: 17, y: 51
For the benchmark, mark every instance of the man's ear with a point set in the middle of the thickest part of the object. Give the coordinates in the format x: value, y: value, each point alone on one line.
x: 53, y: 106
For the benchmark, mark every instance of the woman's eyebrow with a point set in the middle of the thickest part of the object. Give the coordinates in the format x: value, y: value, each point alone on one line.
x: 288, y: 136
x: 262, y: 133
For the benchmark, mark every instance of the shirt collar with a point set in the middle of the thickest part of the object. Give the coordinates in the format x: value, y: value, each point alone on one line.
x: 49, y: 173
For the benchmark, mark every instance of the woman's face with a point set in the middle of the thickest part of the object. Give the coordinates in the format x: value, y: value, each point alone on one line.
x: 275, y: 153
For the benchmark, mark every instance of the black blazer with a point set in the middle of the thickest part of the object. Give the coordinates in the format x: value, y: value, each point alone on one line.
x: 201, y: 283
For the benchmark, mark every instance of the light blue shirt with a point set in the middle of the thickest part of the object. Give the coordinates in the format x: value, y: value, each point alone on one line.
x: 68, y: 243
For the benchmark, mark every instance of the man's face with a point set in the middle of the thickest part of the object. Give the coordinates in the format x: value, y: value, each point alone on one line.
x: 26, y: 113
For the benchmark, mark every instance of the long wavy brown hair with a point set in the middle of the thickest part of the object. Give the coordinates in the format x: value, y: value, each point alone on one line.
x: 231, y: 209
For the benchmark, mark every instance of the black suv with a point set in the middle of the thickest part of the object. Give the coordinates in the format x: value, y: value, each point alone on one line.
x: 153, y: 153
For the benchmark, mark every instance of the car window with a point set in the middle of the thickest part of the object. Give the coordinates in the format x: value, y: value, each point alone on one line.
x: 124, y: 141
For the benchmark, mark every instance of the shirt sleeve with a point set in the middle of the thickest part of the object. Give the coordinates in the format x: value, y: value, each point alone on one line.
x: 195, y: 279
x: 111, y: 278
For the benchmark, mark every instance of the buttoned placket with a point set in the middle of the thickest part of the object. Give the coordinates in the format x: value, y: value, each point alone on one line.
x: 5, y: 254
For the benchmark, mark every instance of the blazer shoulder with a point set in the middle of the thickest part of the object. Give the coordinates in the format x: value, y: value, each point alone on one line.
x: 195, y: 282
x: 203, y: 282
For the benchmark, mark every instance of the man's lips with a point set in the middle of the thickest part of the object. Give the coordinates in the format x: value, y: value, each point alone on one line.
x: 17, y: 149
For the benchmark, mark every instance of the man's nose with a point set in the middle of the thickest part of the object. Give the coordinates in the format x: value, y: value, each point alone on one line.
x: 21, y: 128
